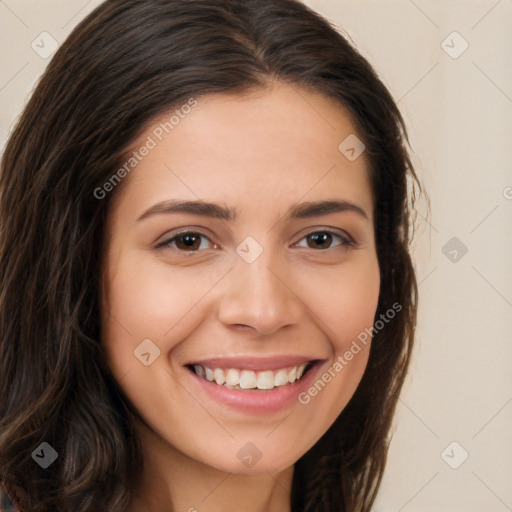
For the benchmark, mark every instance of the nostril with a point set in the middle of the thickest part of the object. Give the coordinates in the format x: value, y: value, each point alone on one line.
x: 243, y: 327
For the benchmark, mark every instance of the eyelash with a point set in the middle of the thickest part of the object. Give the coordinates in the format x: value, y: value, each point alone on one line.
x: 346, y: 241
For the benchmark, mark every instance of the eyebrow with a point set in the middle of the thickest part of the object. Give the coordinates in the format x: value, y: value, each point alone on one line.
x: 217, y: 211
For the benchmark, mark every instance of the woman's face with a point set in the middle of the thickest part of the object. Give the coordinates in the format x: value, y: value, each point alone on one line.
x: 260, y: 282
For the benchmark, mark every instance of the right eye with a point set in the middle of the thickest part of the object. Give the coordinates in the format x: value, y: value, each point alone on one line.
x: 186, y: 241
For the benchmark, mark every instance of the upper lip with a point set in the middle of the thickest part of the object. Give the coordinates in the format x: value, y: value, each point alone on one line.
x: 254, y: 363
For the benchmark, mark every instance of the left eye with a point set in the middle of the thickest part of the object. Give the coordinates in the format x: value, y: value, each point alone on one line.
x: 322, y: 238
x: 192, y: 242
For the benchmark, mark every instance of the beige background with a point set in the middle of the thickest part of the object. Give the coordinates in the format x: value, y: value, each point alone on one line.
x: 459, y: 109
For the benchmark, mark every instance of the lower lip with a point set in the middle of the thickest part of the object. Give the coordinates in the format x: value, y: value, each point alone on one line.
x: 257, y: 402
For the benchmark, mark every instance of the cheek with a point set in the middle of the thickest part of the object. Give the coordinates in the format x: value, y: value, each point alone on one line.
x: 149, y: 301
x: 346, y: 306
x: 345, y: 301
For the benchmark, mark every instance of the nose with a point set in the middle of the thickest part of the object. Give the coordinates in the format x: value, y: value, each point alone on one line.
x: 259, y: 296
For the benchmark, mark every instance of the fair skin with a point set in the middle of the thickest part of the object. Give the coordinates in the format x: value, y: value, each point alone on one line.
x: 261, y: 154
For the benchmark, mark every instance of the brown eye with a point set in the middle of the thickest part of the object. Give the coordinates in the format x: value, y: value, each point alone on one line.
x: 323, y: 240
x: 186, y: 242
x: 320, y: 240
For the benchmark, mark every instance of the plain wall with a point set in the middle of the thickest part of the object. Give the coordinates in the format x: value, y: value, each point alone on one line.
x: 458, y: 106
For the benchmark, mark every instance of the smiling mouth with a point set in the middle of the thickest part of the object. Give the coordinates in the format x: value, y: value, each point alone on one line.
x: 249, y: 380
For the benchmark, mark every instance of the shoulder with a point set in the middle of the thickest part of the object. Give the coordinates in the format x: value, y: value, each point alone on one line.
x: 6, y: 500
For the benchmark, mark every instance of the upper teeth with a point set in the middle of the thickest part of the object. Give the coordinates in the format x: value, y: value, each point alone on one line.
x: 248, y: 379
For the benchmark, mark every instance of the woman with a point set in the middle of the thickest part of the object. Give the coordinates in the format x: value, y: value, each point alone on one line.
x: 258, y: 369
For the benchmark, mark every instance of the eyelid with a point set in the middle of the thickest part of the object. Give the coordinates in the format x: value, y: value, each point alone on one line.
x: 346, y: 238
x: 169, y: 236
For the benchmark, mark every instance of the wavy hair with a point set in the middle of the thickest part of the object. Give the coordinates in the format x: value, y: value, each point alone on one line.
x: 124, y: 64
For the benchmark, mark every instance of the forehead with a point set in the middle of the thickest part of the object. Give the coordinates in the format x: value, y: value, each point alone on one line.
x: 263, y: 146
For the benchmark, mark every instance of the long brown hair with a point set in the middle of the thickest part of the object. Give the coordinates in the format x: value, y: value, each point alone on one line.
x: 125, y: 63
